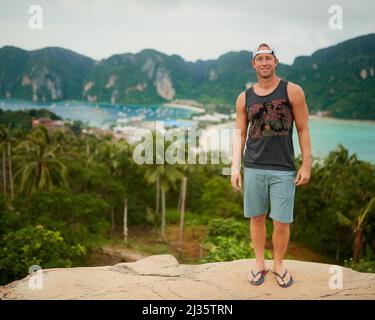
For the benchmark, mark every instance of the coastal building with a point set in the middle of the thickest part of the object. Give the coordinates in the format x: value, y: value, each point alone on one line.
x: 130, y: 133
x: 98, y: 132
x: 50, y: 124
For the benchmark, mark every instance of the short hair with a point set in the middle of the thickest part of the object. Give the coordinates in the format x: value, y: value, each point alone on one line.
x: 264, y: 45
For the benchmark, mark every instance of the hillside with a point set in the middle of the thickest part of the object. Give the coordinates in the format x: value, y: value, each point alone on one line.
x: 339, y: 79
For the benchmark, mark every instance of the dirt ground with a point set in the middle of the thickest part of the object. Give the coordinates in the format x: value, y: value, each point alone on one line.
x: 148, y: 242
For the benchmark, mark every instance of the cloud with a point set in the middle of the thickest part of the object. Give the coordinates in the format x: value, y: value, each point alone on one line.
x: 193, y: 29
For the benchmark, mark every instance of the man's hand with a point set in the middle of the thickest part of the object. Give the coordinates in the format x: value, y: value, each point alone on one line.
x: 236, y: 182
x: 303, y: 175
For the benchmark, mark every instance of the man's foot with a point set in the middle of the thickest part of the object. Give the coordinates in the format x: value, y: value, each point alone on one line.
x: 256, y: 275
x: 257, y: 278
x: 284, y: 279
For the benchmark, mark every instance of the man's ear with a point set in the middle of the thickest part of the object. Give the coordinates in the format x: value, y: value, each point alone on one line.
x: 276, y: 62
x: 252, y: 64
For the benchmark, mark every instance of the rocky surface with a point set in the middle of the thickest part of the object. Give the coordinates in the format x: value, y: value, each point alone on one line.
x: 162, y: 277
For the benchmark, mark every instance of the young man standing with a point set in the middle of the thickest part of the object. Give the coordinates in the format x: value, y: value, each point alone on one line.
x: 269, y: 109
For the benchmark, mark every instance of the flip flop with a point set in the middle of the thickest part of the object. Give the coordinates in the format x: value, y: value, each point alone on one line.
x: 284, y: 284
x: 260, y: 280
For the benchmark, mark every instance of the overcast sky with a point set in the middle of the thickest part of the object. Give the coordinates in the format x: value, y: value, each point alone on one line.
x: 193, y: 29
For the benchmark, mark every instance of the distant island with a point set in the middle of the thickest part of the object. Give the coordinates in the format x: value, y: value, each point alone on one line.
x: 338, y: 81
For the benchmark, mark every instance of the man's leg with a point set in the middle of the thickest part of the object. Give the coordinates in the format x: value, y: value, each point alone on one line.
x: 280, y: 239
x: 282, y: 192
x: 258, y: 238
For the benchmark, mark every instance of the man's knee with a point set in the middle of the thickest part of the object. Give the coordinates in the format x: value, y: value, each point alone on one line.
x: 258, y: 219
x: 280, y: 226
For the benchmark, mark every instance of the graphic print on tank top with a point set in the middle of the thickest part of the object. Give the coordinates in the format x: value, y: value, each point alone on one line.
x: 271, y: 118
x: 269, y: 144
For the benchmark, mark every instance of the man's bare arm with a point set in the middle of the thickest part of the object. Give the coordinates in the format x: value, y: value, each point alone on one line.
x: 241, y: 132
x: 301, y: 116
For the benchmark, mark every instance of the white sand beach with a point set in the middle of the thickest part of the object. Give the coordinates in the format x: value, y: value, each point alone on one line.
x: 184, y: 106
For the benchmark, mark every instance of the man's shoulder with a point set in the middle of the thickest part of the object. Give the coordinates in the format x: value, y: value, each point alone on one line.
x: 241, y: 96
x: 295, y: 93
x: 241, y: 100
x: 293, y: 86
x: 294, y: 89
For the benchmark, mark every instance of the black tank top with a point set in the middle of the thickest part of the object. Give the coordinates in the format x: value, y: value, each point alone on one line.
x: 269, y: 143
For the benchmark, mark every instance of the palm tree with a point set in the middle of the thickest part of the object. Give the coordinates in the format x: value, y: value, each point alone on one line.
x: 4, y: 161
x: 358, y: 228
x: 338, y: 166
x: 358, y: 224
x: 89, y: 156
x: 37, y: 166
x: 65, y: 142
x: 186, y: 169
x: 166, y: 175
x: 182, y: 201
x: 109, y: 154
x: 6, y: 141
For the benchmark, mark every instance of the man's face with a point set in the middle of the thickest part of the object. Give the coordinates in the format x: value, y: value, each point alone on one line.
x: 264, y: 64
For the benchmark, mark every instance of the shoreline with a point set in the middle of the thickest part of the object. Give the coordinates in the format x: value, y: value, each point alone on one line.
x: 183, y: 106
x: 316, y: 117
x: 47, y: 105
x: 218, y: 126
x: 231, y: 124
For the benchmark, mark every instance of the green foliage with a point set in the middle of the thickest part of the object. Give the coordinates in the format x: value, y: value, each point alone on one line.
x: 100, y: 174
x: 35, y: 245
x: 36, y: 165
x: 227, y: 249
x: 365, y: 264
x: 81, y: 218
x: 21, y: 119
x: 219, y: 199
x: 62, y: 68
x: 173, y: 216
x: 228, y: 228
x: 227, y: 240
x: 327, y: 208
x: 362, y: 266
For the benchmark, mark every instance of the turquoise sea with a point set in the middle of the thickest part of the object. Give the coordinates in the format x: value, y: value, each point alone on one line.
x: 326, y: 133
x: 101, y: 114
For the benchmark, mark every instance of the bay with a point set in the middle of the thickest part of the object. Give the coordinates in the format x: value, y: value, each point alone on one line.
x: 326, y: 133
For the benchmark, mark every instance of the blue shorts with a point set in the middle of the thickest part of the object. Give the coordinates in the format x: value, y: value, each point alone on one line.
x: 264, y: 187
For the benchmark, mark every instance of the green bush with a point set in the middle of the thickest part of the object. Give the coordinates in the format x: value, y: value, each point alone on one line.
x: 80, y: 218
x: 227, y: 228
x: 365, y: 264
x: 219, y: 199
x: 35, y: 245
x: 361, y: 266
x: 227, y: 240
x: 227, y: 249
x: 329, y: 206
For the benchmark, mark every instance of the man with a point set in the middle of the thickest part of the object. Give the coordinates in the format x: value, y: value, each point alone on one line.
x: 269, y: 108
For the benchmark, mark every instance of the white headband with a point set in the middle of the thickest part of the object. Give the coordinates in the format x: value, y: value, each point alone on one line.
x: 270, y: 51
